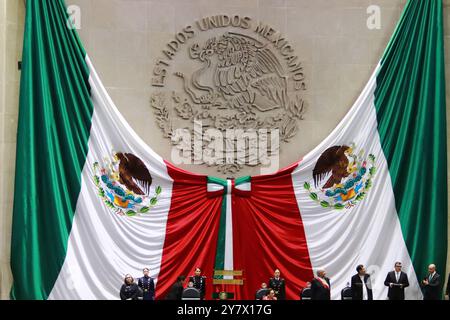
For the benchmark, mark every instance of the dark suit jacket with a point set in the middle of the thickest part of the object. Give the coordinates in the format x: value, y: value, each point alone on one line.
x: 432, y: 291
x: 447, y: 292
x: 175, y: 292
x: 397, y: 292
x: 318, y: 291
x: 132, y: 292
x: 357, y: 287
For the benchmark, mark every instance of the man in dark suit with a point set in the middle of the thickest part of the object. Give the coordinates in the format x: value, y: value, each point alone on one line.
x: 397, y: 281
x: 361, y: 285
x: 447, y: 291
x: 431, y: 285
x: 278, y: 285
x: 176, y: 292
x: 199, y: 282
x: 147, y: 285
x: 320, y: 286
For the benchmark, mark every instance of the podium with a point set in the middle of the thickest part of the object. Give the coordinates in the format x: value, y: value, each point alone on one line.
x: 225, y: 283
x: 190, y: 294
x: 261, y: 293
x: 346, y: 293
x: 305, y: 294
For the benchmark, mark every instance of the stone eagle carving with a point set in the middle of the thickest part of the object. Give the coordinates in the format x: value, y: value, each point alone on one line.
x: 245, y: 73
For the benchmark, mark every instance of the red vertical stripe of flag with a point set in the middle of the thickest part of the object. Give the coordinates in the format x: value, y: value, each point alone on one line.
x: 268, y: 234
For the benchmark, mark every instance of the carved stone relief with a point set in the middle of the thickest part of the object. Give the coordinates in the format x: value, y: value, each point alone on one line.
x: 233, y: 75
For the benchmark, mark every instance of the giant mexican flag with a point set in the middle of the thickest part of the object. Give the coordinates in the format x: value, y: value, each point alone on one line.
x: 93, y: 202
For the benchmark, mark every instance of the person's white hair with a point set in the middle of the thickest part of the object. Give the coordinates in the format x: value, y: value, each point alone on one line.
x: 319, y: 271
x: 432, y: 266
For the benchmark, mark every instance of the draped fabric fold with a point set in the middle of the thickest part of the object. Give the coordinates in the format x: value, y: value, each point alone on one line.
x: 269, y: 234
x: 54, y: 123
x: 192, y: 231
x: 411, y: 112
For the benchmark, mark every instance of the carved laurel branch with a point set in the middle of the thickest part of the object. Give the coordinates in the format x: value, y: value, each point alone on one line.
x: 289, y: 125
x: 162, y: 114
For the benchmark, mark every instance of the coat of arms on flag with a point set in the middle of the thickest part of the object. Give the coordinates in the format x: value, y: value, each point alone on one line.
x: 124, y: 184
x: 348, y: 177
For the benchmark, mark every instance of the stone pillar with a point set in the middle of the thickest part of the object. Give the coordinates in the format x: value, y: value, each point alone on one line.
x: 11, y: 37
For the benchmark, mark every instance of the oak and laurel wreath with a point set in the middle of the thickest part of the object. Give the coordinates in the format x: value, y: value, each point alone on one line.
x: 110, y: 205
x: 359, y: 197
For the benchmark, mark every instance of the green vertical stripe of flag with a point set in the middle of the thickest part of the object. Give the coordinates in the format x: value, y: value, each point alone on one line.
x: 410, y: 105
x: 54, y: 123
x: 220, y: 253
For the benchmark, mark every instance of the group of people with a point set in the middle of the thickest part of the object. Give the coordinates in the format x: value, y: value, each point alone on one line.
x: 319, y: 288
x: 197, y: 281
x: 144, y: 289
x: 275, y: 290
x: 396, y: 281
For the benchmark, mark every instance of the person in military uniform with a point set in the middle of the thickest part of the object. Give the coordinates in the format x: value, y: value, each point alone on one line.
x: 147, y: 285
x: 278, y: 285
x: 199, y: 282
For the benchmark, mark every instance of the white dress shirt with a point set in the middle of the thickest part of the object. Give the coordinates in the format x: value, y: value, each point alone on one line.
x: 364, y: 288
x: 397, y: 275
